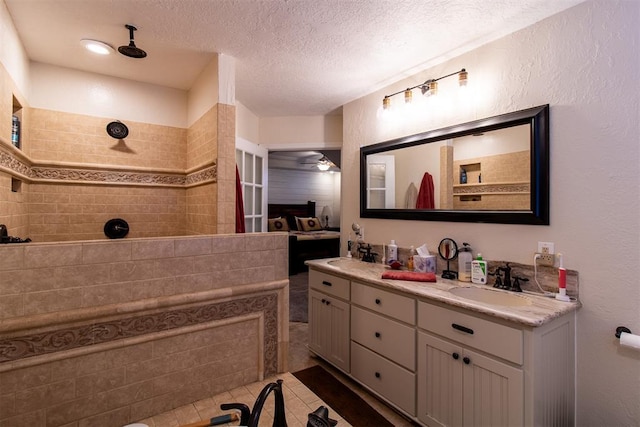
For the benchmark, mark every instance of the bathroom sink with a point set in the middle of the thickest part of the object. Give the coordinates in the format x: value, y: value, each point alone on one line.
x: 348, y: 264
x: 490, y: 296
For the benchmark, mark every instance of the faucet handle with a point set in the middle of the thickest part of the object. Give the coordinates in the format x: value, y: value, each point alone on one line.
x: 516, y: 283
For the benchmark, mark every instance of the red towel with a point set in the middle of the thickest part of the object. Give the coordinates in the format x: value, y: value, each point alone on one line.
x: 409, y: 275
x: 426, y: 198
x: 239, y: 205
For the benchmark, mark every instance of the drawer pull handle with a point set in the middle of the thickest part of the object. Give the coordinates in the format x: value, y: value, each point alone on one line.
x: 456, y: 356
x: 377, y: 374
x: 466, y: 360
x: 377, y: 334
x: 378, y: 301
x: 462, y: 328
x: 324, y: 282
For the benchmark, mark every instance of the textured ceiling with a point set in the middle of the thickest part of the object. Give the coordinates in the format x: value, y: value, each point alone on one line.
x: 293, y: 57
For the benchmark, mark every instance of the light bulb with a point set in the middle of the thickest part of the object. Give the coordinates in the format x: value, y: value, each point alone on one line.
x: 96, y: 46
x: 408, y: 96
x: 433, y: 89
x: 463, y: 77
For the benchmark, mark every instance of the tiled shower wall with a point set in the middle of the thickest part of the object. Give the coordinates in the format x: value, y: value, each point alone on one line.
x: 106, y: 333
x: 73, y: 177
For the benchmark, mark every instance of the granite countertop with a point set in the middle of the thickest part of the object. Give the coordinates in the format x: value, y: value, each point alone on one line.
x: 541, y: 310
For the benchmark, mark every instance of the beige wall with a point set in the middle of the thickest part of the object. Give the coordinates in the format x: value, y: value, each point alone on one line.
x: 301, y: 131
x: 72, y: 91
x: 584, y: 63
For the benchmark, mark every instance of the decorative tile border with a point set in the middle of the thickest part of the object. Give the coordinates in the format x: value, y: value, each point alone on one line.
x: 8, y: 161
x: 23, y: 347
x: 492, y: 188
x: 96, y: 175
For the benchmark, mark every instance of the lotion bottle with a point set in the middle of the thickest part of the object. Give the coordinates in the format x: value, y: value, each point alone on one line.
x: 392, y: 251
x: 410, y: 265
x: 479, y: 270
x: 464, y: 263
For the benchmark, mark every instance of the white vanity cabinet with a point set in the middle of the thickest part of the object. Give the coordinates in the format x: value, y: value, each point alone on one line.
x: 383, y: 336
x: 444, y: 364
x: 329, y: 318
x: 474, y: 371
x: 458, y: 386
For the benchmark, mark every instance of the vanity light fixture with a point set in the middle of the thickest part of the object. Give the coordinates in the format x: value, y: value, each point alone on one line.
x: 428, y: 88
x: 96, y: 46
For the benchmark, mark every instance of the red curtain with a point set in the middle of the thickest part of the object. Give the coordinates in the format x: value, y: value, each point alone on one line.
x: 239, y: 205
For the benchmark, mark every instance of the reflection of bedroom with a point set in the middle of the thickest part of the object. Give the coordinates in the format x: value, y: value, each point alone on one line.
x: 295, y: 178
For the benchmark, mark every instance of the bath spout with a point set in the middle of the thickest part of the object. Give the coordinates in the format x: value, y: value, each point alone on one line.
x: 279, y: 419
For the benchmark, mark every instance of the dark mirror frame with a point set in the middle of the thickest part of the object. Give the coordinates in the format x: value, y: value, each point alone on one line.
x: 537, y: 117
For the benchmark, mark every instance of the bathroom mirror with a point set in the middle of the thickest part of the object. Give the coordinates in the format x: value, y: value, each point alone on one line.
x: 493, y: 170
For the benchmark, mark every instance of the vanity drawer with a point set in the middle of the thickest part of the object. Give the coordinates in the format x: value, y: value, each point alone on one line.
x: 391, y: 339
x: 329, y: 284
x: 383, y: 302
x: 494, y: 338
x: 384, y: 377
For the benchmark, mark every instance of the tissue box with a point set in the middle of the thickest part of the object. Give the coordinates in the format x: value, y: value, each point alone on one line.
x: 424, y: 264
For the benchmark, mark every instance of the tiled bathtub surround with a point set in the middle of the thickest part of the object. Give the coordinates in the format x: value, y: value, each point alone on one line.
x: 104, y: 333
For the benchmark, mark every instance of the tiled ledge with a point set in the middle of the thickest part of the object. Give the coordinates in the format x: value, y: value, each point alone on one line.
x: 23, y: 168
x: 60, y: 320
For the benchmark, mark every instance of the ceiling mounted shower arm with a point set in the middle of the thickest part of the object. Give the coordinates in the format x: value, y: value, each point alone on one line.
x: 131, y: 29
x: 132, y: 51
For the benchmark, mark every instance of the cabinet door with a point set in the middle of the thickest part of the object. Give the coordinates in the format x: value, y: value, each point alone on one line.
x: 493, y: 392
x: 439, y: 381
x: 329, y: 328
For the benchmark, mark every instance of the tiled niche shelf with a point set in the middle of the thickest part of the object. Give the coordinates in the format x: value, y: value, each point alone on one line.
x: 16, y: 123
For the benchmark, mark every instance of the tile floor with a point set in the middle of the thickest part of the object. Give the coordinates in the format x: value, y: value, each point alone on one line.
x: 299, y: 400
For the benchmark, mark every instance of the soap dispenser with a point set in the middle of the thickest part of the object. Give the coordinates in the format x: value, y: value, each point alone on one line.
x: 464, y: 263
x: 392, y: 251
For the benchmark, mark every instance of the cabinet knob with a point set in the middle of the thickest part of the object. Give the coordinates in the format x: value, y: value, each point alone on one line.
x: 456, y: 356
x: 377, y: 374
x: 377, y: 334
x: 378, y: 301
x: 328, y: 302
x: 466, y: 360
x: 324, y: 301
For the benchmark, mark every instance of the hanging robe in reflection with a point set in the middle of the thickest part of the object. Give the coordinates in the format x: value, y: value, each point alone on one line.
x: 411, y: 197
x: 425, y: 195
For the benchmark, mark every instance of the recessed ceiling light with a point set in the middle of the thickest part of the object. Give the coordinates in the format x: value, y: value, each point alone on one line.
x: 96, y: 46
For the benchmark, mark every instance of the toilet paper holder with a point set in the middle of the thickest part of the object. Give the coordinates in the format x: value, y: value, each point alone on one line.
x: 621, y: 329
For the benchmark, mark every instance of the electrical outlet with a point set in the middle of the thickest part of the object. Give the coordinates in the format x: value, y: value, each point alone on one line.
x: 546, y: 251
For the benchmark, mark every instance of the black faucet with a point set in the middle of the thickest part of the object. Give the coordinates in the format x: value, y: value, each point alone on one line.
x: 367, y: 255
x: 516, y: 283
x: 506, y: 282
x: 498, y: 282
x: 251, y: 419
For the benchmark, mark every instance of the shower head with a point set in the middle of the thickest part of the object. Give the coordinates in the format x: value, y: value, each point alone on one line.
x: 131, y: 50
